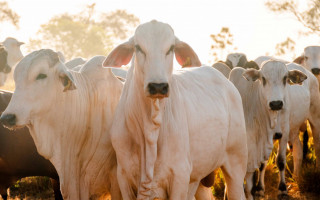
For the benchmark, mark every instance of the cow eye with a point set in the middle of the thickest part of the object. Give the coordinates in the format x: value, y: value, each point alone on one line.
x: 170, y: 50
x: 284, y: 80
x: 306, y: 58
x: 264, y: 82
x: 138, y: 49
x: 41, y: 76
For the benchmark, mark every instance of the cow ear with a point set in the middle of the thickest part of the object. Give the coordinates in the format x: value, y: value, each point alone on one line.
x: 67, y: 80
x: 299, y: 60
x: 251, y: 74
x: 251, y: 64
x: 121, y: 55
x: 296, y: 77
x: 185, y: 55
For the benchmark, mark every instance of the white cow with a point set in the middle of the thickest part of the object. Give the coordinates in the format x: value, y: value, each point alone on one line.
x: 223, y: 68
x: 73, y: 112
x: 75, y: 62
x: 303, y: 127
x: 173, y: 128
x: 14, y: 55
x: 275, y: 109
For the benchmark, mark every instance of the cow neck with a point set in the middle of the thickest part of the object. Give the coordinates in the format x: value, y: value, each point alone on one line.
x: 257, y: 124
x: 145, y: 115
x: 73, y: 142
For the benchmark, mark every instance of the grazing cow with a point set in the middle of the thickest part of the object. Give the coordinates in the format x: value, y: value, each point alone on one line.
x: 68, y: 115
x: 275, y: 109
x: 173, y: 128
x: 19, y: 157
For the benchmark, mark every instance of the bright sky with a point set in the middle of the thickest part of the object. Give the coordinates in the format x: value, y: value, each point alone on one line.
x: 256, y: 30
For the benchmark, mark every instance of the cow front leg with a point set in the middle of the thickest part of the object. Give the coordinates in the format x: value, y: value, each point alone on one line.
x: 281, y: 164
x: 260, y: 189
x: 249, y: 185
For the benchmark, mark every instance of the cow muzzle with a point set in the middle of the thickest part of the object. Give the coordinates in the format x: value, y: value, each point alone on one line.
x: 315, y: 71
x: 276, y: 105
x: 8, y: 120
x: 158, y: 90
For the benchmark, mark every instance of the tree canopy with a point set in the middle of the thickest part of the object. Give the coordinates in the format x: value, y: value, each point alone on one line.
x: 6, y: 14
x: 222, y: 43
x: 309, y: 18
x: 86, y: 33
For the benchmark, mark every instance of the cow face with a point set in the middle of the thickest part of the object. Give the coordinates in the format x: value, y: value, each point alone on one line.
x: 154, y: 45
x: 311, y: 59
x: 274, y: 78
x: 4, y: 67
x: 39, y: 78
x: 236, y: 60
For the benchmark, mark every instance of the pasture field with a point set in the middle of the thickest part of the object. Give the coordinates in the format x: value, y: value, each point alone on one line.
x: 36, y: 188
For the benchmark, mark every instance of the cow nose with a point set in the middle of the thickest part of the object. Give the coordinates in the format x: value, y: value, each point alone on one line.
x: 276, y: 105
x: 315, y: 71
x: 158, y: 88
x: 277, y: 136
x: 8, y: 120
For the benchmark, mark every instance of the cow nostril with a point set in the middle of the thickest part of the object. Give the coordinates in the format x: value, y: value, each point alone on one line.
x: 276, y: 105
x: 315, y: 71
x: 277, y: 136
x: 158, y: 88
x: 8, y: 119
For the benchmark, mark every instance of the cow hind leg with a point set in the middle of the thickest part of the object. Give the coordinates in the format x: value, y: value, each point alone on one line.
x: 297, y: 152
x: 315, y: 125
x: 234, y: 172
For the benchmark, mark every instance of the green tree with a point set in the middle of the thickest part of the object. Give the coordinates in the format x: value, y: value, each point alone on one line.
x: 7, y: 14
x: 309, y: 18
x: 286, y: 47
x: 222, y: 44
x: 86, y: 33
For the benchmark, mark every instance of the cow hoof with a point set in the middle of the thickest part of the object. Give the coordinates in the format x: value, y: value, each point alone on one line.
x: 259, y: 193
x: 283, y: 195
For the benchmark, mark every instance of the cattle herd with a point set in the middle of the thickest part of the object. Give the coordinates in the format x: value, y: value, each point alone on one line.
x: 153, y: 132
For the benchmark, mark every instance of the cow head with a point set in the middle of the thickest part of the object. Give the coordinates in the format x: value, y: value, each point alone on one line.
x: 153, y: 46
x: 39, y: 78
x: 310, y: 59
x: 4, y: 67
x: 274, y: 78
x: 12, y: 46
x: 236, y: 60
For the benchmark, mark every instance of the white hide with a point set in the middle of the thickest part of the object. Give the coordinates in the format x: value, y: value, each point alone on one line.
x: 168, y: 144
x: 69, y: 115
x: 12, y: 46
x: 223, y: 68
